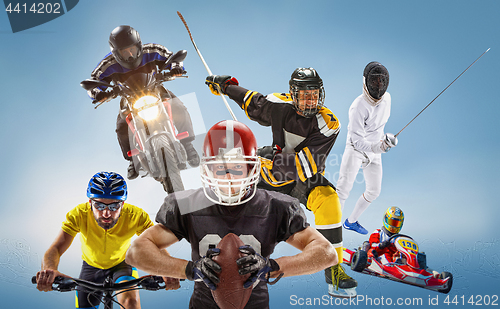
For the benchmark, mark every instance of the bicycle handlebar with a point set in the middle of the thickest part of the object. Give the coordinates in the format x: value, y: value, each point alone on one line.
x: 64, y: 284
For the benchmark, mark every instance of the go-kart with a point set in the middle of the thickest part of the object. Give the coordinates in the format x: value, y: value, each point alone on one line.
x: 410, y: 268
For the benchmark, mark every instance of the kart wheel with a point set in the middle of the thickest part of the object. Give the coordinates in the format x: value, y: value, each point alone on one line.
x: 359, y: 261
x: 445, y: 275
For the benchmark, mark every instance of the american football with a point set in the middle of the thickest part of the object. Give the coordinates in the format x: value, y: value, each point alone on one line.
x: 230, y: 293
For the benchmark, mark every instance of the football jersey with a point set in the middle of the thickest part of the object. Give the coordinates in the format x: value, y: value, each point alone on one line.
x: 267, y: 219
x: 305, y: 142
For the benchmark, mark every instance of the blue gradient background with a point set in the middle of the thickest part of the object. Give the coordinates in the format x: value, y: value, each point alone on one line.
x: 443, y: 174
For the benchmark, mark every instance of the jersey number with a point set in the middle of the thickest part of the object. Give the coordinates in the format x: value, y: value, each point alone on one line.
x: 212, y: 240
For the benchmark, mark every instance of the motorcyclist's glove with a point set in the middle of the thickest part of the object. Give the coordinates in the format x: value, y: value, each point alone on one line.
x: 102, y: 96
x: 177, y: 69
x: 256, y: 265
x: 205, y: 269
x: 218, y: 83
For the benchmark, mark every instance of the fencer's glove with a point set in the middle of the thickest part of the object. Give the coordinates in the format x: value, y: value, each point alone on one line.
x: 219, y: 83
x: 256, y: 265
x: 268, y: 152
x: 205, y: 269
x: 103, y: 96
x: 177, y: 69
x: 385, y: 144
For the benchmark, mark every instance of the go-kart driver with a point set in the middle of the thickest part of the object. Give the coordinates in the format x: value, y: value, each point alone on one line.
x: 380, y: 246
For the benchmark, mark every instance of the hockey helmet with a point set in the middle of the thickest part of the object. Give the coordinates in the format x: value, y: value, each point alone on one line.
x: 308, y: 94
x: 126, y: 46
x: 393, y: 220
x: 230, y: 166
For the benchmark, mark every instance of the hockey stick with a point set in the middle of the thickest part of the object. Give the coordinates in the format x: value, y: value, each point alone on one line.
x: 205, y: 64
x: 441, y: 92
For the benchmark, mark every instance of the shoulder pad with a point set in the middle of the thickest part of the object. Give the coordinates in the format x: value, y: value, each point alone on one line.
x: 150, y: 48
x: 327, y: 122
x: 105, y: 63
x: 279, y: 97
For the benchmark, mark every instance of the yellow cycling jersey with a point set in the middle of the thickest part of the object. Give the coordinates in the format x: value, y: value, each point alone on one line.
x: 105, y: 248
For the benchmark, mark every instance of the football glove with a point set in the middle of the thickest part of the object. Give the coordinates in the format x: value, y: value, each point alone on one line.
x: 219, y: 83
x: 256, y: 265
x: 205, y: 269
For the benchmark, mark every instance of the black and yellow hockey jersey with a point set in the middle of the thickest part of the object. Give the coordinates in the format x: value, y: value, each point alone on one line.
x: 305, y: 142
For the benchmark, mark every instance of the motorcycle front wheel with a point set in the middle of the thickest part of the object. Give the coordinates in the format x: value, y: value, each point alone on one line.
x: 170, y: 175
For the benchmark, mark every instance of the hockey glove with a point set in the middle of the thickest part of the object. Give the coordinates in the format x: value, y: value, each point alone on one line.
x: 205, y: 269
x: 219, y: 83
x: 268, y: 152
x: 256, y: 265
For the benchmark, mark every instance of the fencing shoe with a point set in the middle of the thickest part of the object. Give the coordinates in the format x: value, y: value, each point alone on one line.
x: 356, y: 227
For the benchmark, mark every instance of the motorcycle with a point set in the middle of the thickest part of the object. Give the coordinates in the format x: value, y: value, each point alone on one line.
x: 145, y: 105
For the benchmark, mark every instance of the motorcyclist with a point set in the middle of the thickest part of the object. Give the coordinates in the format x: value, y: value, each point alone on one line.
x: 129, y: 56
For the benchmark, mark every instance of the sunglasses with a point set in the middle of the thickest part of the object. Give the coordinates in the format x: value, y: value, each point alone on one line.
x: 102, y: 206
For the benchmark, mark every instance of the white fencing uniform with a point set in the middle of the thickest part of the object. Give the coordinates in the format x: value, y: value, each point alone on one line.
x: 367, y: 120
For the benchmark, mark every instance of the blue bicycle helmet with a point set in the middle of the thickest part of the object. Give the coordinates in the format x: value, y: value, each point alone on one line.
x: 108, y: 185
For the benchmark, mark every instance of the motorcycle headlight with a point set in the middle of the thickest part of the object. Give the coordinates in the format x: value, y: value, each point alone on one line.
x: 147, y: 107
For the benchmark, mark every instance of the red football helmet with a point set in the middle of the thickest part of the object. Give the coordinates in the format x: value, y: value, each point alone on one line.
x: 230, y: 166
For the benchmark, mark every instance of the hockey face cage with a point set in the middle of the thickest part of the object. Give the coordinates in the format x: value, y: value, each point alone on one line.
x: 234, y: 191
x: 306, y: 79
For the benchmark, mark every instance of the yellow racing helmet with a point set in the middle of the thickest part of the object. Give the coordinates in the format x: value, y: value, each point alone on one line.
x: 393, y: 220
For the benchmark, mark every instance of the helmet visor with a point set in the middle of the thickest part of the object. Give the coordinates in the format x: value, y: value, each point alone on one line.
x: 130, y: 53
x: 394, y: 222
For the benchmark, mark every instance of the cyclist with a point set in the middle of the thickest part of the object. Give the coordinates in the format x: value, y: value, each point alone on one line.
x: 106, y: 225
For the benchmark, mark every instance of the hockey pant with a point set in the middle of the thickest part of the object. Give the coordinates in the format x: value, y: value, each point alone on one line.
x: 324, y: 203
x: 182, y: 122
x: 352, y: 160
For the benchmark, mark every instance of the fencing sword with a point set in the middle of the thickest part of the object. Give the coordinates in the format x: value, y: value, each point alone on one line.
x: 441, y: 92
x: 206, y: 66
